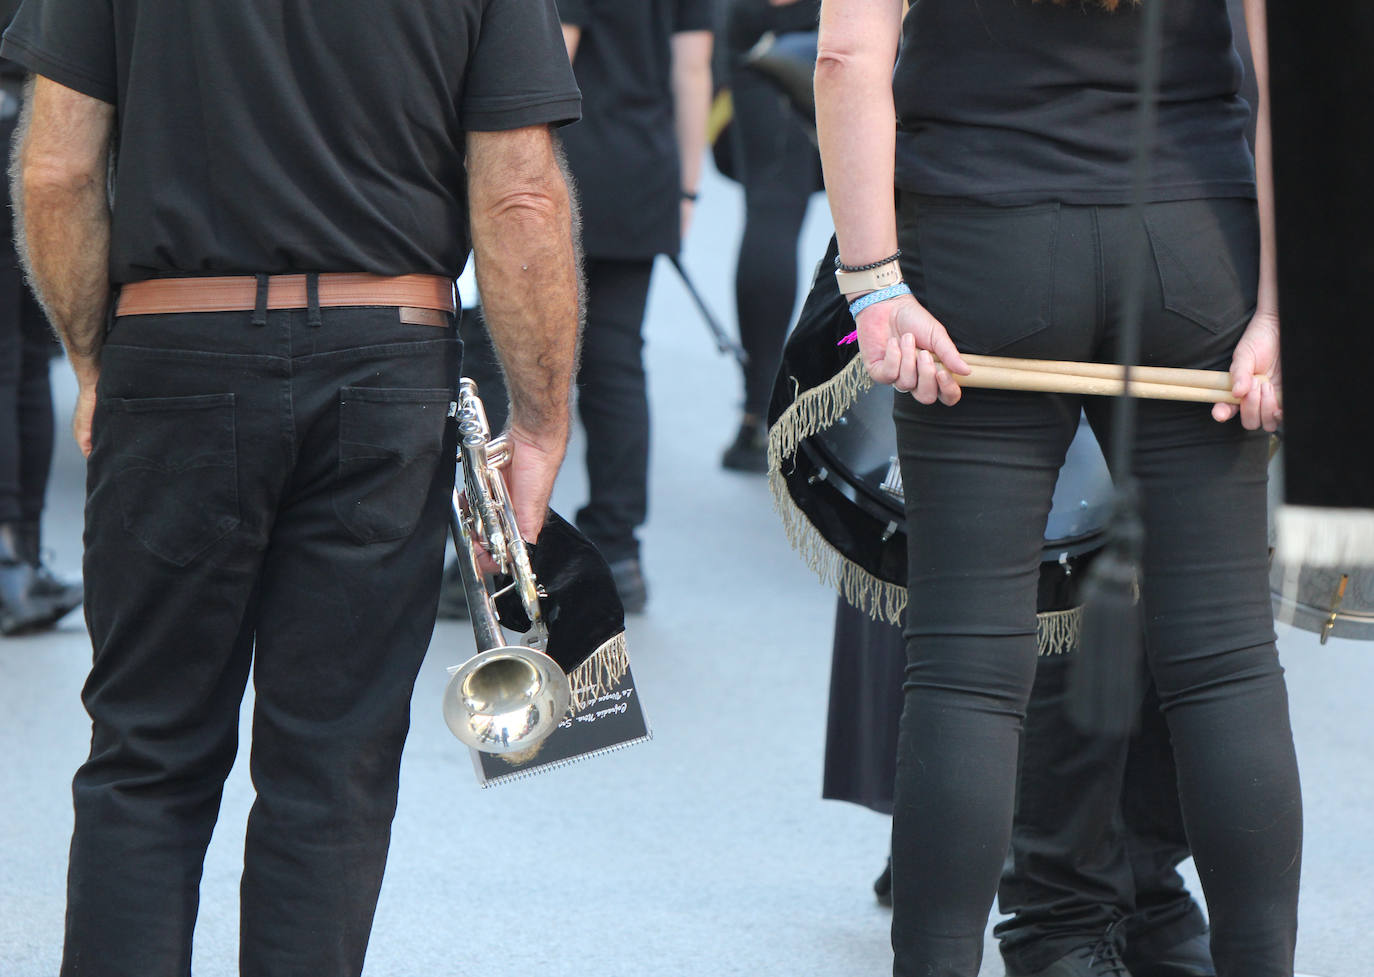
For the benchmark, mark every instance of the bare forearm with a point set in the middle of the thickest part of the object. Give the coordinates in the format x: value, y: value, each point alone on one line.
x: 1256, y: 28
x: 63, y: 228
x: 691, y: 101
x: 527, y: 263
x: 856, y: 123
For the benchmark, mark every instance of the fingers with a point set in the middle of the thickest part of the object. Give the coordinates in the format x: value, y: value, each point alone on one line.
x: 1270, y: 415
x: 886, y: 368
x: 908, y: 376
x: 950, y: 391
x: 1242, y: 371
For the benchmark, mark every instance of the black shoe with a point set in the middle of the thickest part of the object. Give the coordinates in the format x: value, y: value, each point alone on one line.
x: 1100, y: 959
x: 749, y: 453
x: 21, y: 609
x: 64, y: 595
x: 882, y: 886
x: 629, y: 583
x: 453, y: 599
x: 1191, y: 958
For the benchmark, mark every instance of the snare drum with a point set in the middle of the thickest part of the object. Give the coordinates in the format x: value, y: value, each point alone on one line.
x: 836, y: 482
x: 1326, y: 601
x: 847, y: 481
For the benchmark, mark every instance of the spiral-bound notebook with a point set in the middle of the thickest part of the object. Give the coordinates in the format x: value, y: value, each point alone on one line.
x: 613, y: 722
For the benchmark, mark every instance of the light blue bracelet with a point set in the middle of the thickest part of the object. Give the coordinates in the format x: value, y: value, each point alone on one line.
x: 873, y: 298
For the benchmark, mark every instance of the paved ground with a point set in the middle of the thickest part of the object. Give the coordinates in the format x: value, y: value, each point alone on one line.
x: 704, y: 852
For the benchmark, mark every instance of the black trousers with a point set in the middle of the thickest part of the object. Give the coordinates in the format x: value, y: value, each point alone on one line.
x: 613, y: 404
x: 780, y: 170
x: 26, y: 412
x: 1046, y: 281
x: 26, y: 348
x: 269, y: 495
x: 1098, y: 834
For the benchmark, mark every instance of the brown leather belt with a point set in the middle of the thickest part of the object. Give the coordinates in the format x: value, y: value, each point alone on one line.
x: 163, y: 296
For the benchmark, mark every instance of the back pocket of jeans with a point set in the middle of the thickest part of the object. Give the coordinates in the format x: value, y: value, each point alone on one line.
x: 987, y: 273
x: 175, y: 470
x: 390, y: 441
x: 1207, y: 254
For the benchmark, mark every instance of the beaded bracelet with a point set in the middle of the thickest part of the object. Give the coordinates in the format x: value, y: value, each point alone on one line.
x: 873, y: 298
x: 841, y: 266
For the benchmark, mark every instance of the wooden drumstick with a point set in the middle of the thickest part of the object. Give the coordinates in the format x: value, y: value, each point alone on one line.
x: 1098, y: 379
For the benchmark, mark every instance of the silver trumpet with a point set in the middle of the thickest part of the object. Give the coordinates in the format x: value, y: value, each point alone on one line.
x: 507, y: 697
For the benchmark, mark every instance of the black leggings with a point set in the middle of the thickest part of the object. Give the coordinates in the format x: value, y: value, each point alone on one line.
x: 780, y: 171
x: 1045, y: 281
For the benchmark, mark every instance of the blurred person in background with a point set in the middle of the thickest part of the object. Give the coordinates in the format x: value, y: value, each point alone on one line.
x: 645, y: 73
x: 644, y: 69
x: 31, y: 597
x: 775, y: 160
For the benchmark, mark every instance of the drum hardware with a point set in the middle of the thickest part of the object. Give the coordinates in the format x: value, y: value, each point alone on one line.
x: 508, y: 697
x: 892, y: 483
x: 1327, y: 601
x: 1335, y: 607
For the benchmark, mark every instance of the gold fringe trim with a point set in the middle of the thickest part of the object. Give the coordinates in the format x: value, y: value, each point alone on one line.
x: 815, y: 410
x: 881, y: 600
x: 600, y: 673
x: 1057, y: 632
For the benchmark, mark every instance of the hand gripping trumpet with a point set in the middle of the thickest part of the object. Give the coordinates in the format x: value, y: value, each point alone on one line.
x: 507, y: 697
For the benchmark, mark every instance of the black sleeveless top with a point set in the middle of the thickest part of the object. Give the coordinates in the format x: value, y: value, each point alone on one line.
x: 1014, y: 102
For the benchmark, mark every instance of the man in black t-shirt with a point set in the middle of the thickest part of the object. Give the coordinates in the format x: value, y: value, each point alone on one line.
x: 257, y: 300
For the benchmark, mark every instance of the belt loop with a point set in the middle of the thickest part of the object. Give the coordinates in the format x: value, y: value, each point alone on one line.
x: 312, y: 299
x: 260, y: 309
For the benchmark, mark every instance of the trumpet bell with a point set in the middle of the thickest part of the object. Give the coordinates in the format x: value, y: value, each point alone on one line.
x: 506, y: 699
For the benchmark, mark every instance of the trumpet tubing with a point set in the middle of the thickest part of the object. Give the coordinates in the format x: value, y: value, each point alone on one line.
x: 507, y: 697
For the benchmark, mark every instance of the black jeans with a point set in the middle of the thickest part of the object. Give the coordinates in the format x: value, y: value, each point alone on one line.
x: 1098, y: 834
x: 613, y: 403
x: 268, y: 494
x: 1046, y: 281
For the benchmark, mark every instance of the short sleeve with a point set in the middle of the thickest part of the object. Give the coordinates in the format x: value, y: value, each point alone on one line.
x: 693, y: 15
x: 518, y: 74
x: 575, y: 12
x: 70, y: 41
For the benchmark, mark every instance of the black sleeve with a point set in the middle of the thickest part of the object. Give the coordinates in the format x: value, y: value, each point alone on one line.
x: 693, y: 15
x: 519, y: 74
x: 575, y: 12
x: 70, y: 41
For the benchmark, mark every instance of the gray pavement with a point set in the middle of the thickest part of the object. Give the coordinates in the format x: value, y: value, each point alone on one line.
x: 706, y: 851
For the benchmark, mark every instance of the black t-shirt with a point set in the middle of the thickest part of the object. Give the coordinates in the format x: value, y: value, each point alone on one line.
x: 624, y: 152
x: 1010, y: 102
x: 8, y: 69
x: 320, y: 135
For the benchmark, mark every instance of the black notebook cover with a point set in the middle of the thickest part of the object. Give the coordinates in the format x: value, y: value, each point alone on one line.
x: 614, y: 721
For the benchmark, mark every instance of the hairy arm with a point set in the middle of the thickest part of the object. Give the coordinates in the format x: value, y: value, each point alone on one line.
x: 691, y: 106
x: 525, y: 246
x: 60, y: 168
